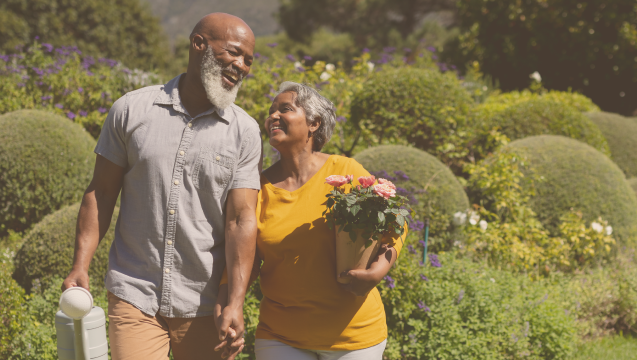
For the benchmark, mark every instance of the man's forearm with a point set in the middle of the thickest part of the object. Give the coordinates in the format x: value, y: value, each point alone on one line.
x: 240, y: 252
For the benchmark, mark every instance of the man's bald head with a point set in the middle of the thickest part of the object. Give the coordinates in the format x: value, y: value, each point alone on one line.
x: 218, y: 25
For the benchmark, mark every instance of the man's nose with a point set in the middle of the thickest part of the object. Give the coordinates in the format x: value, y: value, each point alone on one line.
x: 240, y: 65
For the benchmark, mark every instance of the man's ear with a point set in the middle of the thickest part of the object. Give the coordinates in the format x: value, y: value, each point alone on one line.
x: 198, y: 43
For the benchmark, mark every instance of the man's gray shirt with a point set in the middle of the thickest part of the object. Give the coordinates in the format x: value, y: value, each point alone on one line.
x: 168, y: 254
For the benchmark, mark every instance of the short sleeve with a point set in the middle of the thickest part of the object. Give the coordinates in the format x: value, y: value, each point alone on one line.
x: 248, y: 175
x: 111, y: 143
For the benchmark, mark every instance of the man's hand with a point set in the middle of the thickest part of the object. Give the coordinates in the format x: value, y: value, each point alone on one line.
x: 231, y: 332
x: 76, y: 278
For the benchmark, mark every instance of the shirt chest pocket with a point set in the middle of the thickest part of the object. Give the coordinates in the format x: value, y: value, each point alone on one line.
x: 213, y: 172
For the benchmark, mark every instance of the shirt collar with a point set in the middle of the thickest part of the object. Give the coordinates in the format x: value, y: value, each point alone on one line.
x: 170, y: 96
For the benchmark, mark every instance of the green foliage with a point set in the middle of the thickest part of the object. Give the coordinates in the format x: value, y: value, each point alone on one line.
x: 46, y: 162
x: 434, y: 191
x: 364, y: 209
x: 423, y: 107
x: 506, y: 232
x: 468, y: 310
x: 12, y: 307
x: 576, y: 176
x: 121, y: 29
x: 518, y: 118
x: 633, y: 183
x: 610, y: 348
x: 621, y: 134
x: 568, y: 98
x: 48, y: 251
x: 589, y: 46
x: 61, y: 81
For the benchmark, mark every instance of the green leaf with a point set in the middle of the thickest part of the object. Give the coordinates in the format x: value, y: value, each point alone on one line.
x: 400, y: 220
x: 352, y: 235
x: 355, y: 209
x: 368, y: 243
x: 330, y: 202
x: 381, y: 217
x: 404, y: 212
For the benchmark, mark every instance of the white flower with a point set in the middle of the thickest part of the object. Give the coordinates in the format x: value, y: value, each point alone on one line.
x: 597, y: 227
x: 459, y: 218
x: 297, y: 64
x: 370, y: 65
x: 330, y: 67
x: 609, y: 230
x: 474, y: 218
x: 536, y: 76
x: 325, y: 76
x: 483, y: 225
x: 492, y: 280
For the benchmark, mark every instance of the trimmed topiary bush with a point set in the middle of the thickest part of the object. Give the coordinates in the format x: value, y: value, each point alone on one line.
x: 422, y: 107
x: 46, y: 162
x: 578, y: 101
x: 621, y: 135
x: 633, y: 184
x: 573, y: 175
x: 434, y: 191
x: 48, y: 250
x: 544, y: 116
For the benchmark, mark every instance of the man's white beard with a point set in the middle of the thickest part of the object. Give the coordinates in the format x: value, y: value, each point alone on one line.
x: 212, y: 81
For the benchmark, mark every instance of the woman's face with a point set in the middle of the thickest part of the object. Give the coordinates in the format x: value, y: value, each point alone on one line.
x: 287, y: 126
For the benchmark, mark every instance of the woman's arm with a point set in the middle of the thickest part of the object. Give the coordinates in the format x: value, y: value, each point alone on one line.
x: 363, y: 281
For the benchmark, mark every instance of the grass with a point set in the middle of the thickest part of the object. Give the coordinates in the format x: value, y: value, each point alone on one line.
x: 610, y: 348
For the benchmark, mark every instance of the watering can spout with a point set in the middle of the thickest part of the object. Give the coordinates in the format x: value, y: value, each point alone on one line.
x: 80, y: 326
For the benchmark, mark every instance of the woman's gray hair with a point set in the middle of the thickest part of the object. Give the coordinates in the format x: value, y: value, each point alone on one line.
x: 316, y: 107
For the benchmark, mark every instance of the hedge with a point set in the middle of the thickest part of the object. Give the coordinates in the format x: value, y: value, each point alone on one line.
x: 48, y: 250
x: 621, y: 134
x: 574, y: 175
x: 46, y: 162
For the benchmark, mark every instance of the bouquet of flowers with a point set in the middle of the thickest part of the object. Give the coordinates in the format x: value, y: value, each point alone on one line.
x: 368, y: 210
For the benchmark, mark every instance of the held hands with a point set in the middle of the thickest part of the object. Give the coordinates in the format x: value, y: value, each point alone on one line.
x: 229, y: 322
x: 364, y: 280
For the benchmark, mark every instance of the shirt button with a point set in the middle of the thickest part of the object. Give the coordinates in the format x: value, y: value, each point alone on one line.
x: 218, y: 158
x: 181, y: 153
x: 176, y: 182
x: 172, y: 212
x: 167, y: 271
x: 189, y: 125
x: 170, y: 242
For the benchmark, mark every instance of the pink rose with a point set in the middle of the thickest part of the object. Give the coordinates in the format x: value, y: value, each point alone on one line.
x: 336, y: 180
x: 384, y: 190
x: 389, y: 183
x: 349, y: 178
x: 367, y: 181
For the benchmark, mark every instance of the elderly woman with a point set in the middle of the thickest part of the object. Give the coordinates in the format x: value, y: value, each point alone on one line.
x: 305, y: 312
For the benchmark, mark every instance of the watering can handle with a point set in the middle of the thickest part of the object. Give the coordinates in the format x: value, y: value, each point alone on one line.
x: 81, y: 341
x: 85, y: 344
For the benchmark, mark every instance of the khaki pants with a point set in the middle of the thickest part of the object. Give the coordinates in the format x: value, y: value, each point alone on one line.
x: 134, y: 335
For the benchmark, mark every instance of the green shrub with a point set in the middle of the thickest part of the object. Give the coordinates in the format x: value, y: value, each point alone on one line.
x: 46, y: 162
x: 434, y: 191
x: 621, y: 134
x: 12, y: 308
x: 633, y: 183
x: 544, y: 116
x: 578, y: 101
x: 422, y: 107
x: 468, y: 310
x: 48, y: 251
x: 574, y: 175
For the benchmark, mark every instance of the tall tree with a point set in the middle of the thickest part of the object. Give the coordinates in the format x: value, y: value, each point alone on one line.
x: 589, y: 46
x: 124, y: 30
x: 368, y: 21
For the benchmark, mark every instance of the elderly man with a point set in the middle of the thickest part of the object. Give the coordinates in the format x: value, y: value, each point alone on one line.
x: 186, y: 160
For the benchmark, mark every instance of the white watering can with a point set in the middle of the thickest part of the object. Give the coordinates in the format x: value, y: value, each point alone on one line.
x: 81, y: 327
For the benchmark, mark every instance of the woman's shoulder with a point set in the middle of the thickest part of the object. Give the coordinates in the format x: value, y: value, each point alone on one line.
x: 348, y: 165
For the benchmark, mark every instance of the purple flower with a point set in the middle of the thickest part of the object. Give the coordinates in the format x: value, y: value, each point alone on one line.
x: 83, y: 113
x: 460, y: 296
x: 365, y: 50
x: 416, y: 225
x: 25, y: 77
x: 389, y: 49
x: 4, y: 57
x: 341, y: 119
x: 434, y: 57
x: 269, y: 97
x: 272, y: 45
x: 80, y: 90
x: 46, y: 97
x: 422, y: 242
x: 401, y: 175
x: 307, y: 58
x: 423, y: 277
x: 276, y: 75
x: 433, y: 260
x: 422, y: 306
x: 36, y: 38
x: 411, y: 249
x: 249, y: 76
x: 290, y: 57
x: 101, y: 110
x: 104, y: 95
x: 21, y: 85
x: 391, y: 283
x: 408, y: 50
x: 300, y: 68
x: 59, y: 106
x: 89, y: 73
x: 431, y: 48
x: 126, y: 71
x: 257, y: 55
x: 66, y: 92
x: 70, y: 115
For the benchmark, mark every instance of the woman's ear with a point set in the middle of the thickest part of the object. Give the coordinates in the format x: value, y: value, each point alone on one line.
x: 315, y: 125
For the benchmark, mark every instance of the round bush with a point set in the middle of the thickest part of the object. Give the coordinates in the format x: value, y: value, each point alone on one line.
x: 417, y: 106
x: 434, y: 191
x: 545, y: 116
x: 633, y: 184
x: 573, y: 175
x: 578, y: 101
x: 46, y: 162
x: 48, y: 250
x: 621, y: 134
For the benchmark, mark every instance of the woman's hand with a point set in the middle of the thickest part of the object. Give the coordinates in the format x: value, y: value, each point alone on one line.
x: 228, y: 321
x: 363, y: 281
